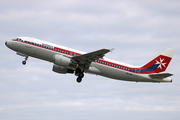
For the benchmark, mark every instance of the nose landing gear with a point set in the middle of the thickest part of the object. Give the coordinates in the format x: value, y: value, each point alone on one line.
x: 24, y: 62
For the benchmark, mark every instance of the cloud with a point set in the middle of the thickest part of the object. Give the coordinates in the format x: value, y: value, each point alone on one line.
x: 138, y: 30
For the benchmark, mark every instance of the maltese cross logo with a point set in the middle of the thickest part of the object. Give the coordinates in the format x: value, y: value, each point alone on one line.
x: 160, y: 63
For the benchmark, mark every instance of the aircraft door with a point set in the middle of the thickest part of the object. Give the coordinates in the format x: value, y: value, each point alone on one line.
x: 137, y: 70
x: 28, y: 44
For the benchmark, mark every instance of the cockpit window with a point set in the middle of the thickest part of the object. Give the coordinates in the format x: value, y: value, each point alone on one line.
x: 17, y: 39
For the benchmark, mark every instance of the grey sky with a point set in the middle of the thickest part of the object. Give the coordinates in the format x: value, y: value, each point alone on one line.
x: 137, y: 29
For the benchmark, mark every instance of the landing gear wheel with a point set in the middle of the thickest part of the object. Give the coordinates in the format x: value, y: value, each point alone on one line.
x: 80, y: 75
x: 23, y: 62
x: 79, y: 79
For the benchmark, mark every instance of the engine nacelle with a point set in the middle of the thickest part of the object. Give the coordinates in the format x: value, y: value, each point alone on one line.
x: 64, y: 61
x: 61, y: 60
x: 61, y: 69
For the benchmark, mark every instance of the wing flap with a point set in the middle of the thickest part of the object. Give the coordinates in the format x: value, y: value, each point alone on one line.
x: 160, y: 75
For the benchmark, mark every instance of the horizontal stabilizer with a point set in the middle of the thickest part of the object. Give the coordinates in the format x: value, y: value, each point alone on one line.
x: 160, y: 75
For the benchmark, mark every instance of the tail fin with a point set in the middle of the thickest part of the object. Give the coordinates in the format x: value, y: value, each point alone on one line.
x: 159, y: 63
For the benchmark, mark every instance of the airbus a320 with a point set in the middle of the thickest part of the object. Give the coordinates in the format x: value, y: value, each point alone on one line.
x: 67, y: 60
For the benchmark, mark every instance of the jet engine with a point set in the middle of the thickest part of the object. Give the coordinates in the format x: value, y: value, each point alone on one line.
x: 64, y: 61
x: 61, y: 69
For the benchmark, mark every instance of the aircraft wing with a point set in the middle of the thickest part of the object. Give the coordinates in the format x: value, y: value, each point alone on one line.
x: 90, y: 57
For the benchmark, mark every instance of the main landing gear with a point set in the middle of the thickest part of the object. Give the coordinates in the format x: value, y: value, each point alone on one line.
x: 80, y: 75
x: 24, y: 62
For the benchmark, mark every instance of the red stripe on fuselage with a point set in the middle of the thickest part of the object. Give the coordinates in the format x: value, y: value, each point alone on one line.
x: 71, y: 53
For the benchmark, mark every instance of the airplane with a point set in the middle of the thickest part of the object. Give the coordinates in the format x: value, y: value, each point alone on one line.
x: 67, y: 60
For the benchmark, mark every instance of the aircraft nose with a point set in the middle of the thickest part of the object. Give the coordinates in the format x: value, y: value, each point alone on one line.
x: 6, y: 43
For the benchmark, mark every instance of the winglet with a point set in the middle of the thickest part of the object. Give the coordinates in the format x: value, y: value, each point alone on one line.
x: 111, y: 50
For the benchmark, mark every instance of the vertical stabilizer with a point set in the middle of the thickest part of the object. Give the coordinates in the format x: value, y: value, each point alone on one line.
x: 159, y: 63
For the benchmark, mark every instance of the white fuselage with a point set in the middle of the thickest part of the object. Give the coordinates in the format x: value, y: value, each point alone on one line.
x: 104, y: 67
